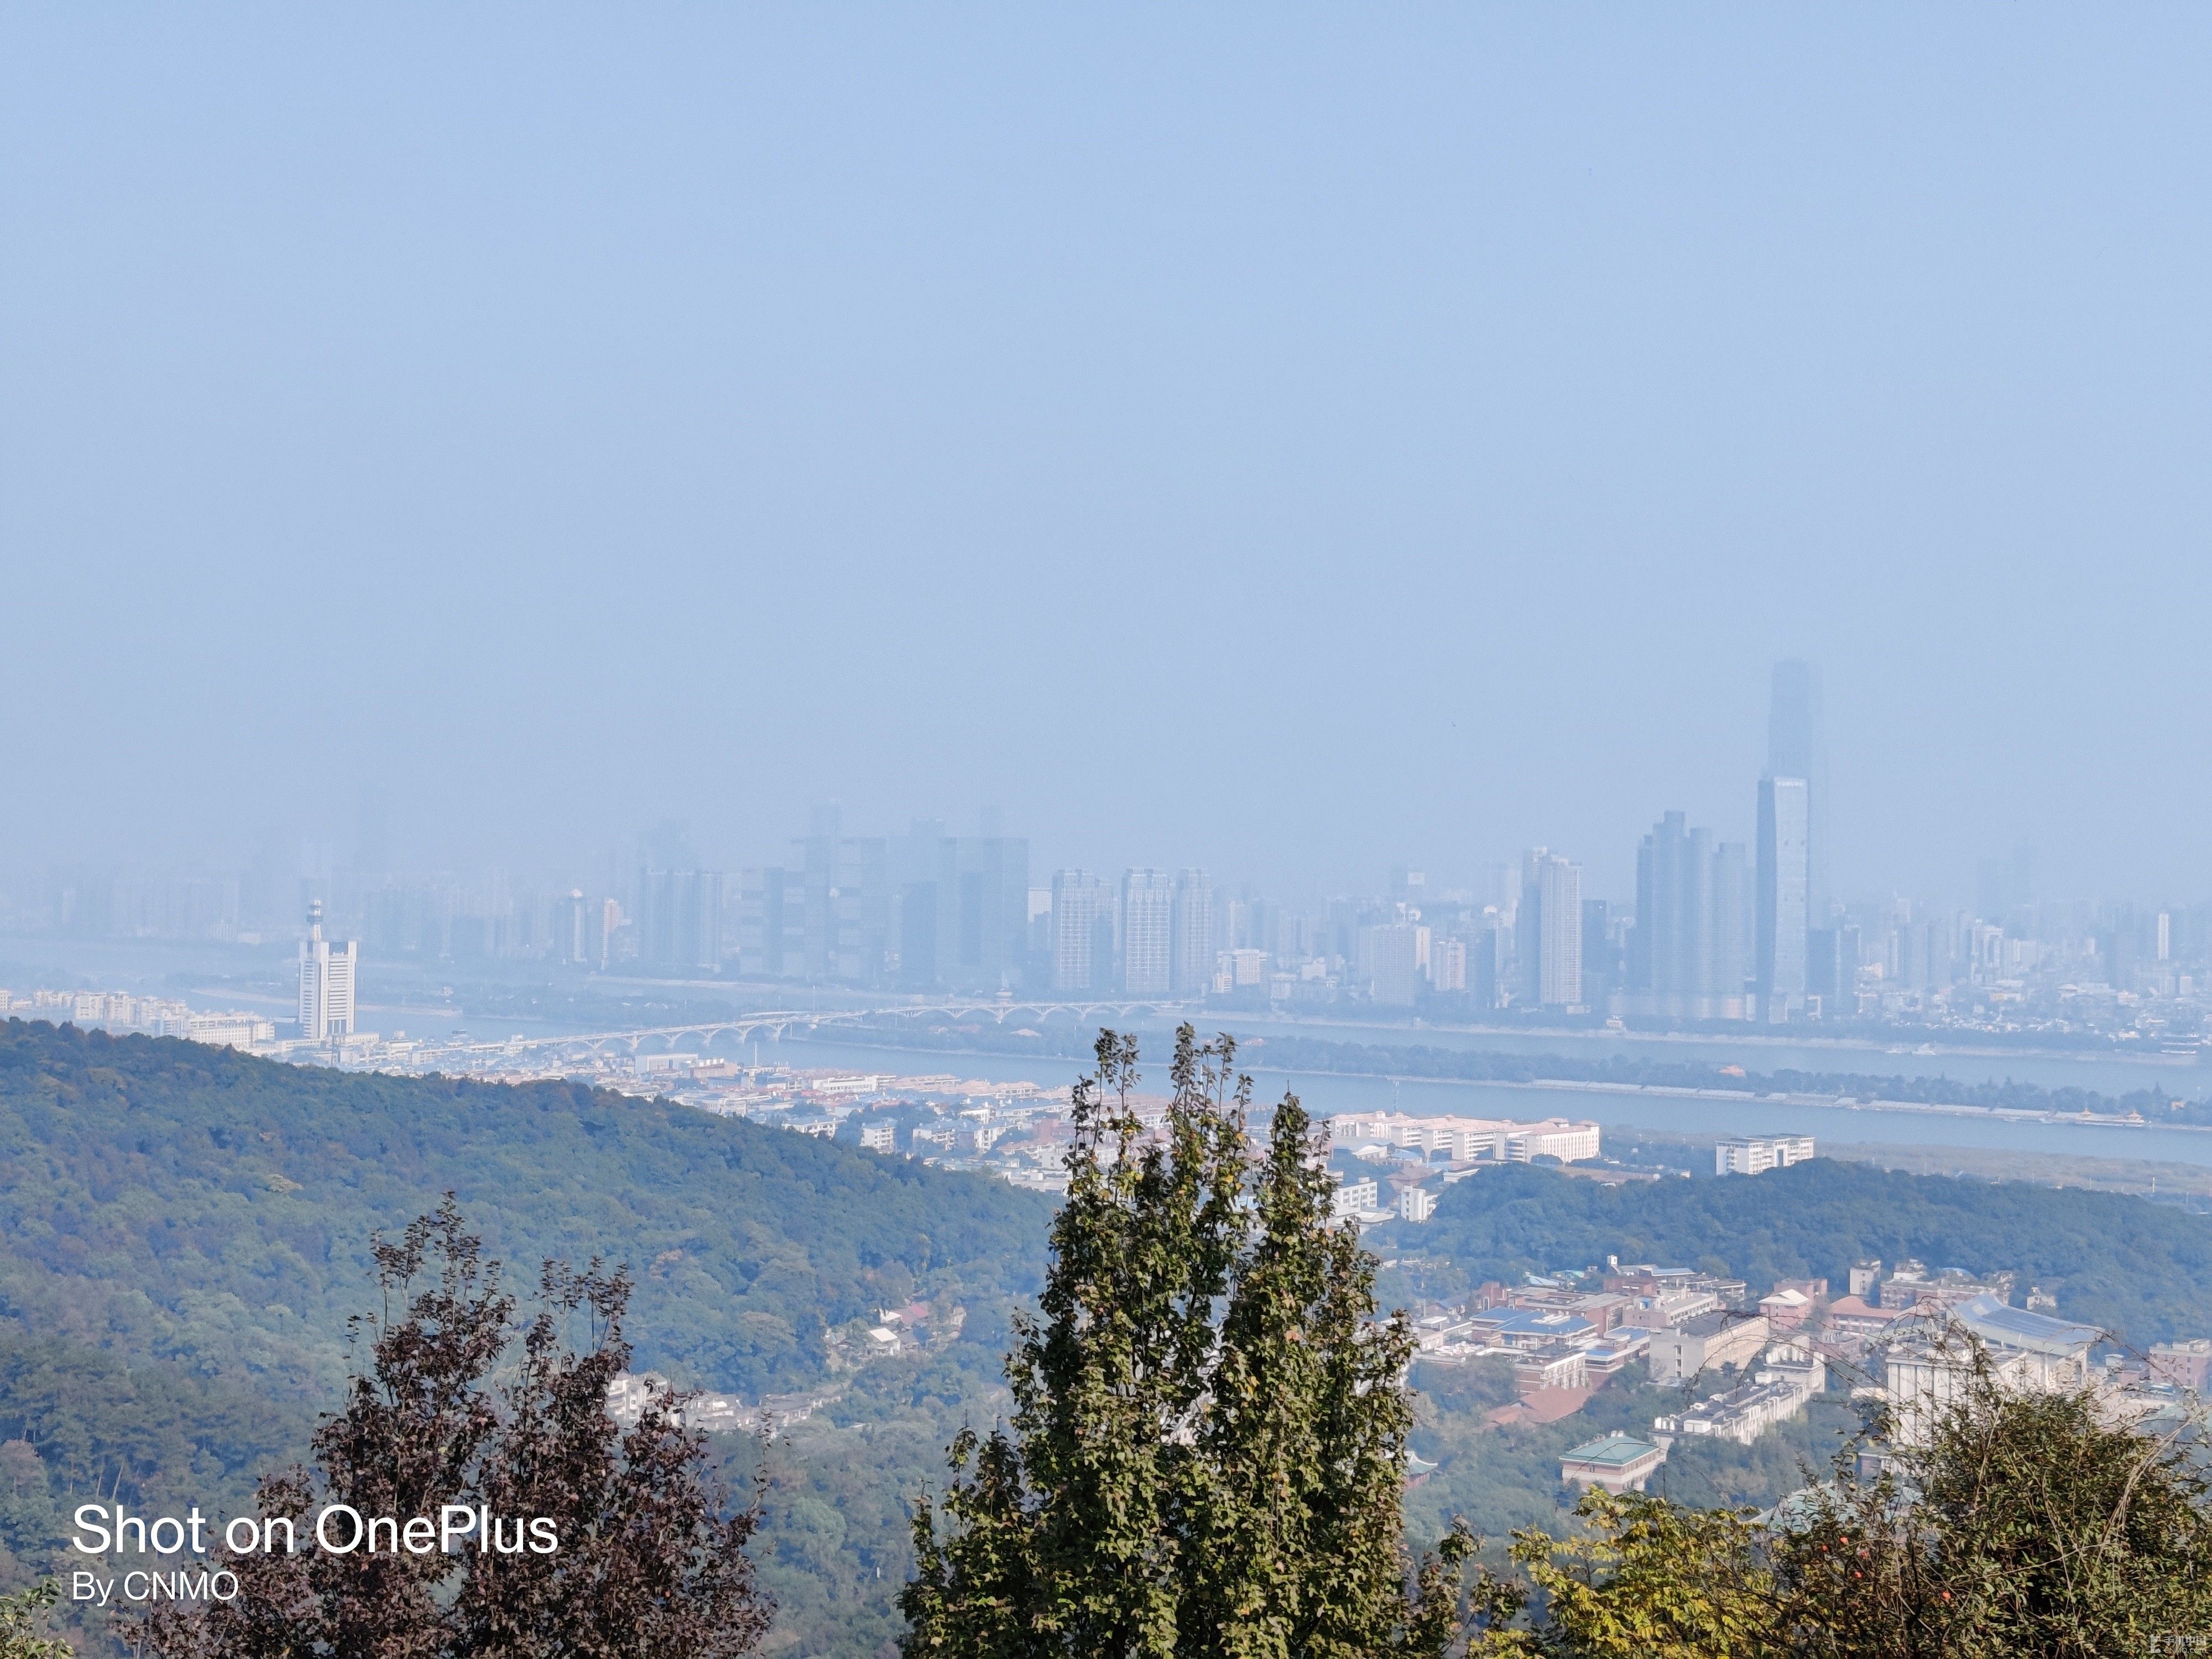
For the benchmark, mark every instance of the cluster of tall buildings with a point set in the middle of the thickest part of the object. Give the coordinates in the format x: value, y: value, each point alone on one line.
x: 1723, y: 932
x: 923, y: 911
x: 1720, y: 928
x: 1148, y: 934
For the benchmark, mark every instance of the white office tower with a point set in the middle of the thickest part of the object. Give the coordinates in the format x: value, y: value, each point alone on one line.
x: 326, y: 983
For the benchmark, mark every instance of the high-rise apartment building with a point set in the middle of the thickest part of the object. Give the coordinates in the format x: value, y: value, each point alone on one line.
x: 963, y: 910
x: 572, y: 930
x: 1448, y: 965
x: 1559, y: 963
x: 1783, y: 916
x: 1147, y: 932
x: 1082, y: 933
x: 1190, y: 970
x: 1547, y: 931
x: 846, y: 902
x: 1386, y: 957
x: 326, y: 982
x: 952, y: 911
x: 1689, y: 953
x: 1528, y: 930
x: 679, y: 920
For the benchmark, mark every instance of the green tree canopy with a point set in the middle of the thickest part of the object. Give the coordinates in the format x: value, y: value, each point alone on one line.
x: 1208, y: 1447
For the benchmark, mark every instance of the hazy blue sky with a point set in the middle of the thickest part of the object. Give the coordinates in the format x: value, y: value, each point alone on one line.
x: 1284, y: 439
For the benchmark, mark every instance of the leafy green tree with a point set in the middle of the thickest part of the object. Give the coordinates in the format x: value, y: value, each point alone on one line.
x: 21, y: 1617
x: 1207, y: 1449
x: 2029, y: 1523
x: 1646, y: 1579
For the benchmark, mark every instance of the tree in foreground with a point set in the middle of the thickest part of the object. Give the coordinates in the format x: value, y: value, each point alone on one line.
x: 2028, y: 1524
x: 650, y: 1561
x: 1642, y: 1578
x: 23, y: 1616
x: 1207, y: 1451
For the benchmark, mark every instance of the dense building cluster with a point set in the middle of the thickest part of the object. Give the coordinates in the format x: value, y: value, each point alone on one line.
x: 1906, y: 1338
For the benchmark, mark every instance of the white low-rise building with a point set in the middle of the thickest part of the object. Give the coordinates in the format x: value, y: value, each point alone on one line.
x: 1787, y: 1377
x: 1740, y: 1155
x: 1354, y: 1198
x: 1467, y: 1139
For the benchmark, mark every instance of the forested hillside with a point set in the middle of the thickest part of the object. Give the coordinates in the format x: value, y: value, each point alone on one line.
x: 163, y: 1198
x: 184, y: 1231
x: 2139, y: 1269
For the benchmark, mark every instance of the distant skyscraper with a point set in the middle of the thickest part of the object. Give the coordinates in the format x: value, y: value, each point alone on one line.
x: 326, y: 981
x: 2003, y: 885
x: 1547, y: 931
x: 1689, y: 954
x: 1082, y: 921
x: 1797, y: 747
x: 1147, y: 932
x: 679, y: 920
x: 572, y: 933
x: 1559, y: 977
x: 1386, y: 960
x: 976, y: 938
x: 1528, y: 929
x: 1784, y: 893
x: 1191, y: 971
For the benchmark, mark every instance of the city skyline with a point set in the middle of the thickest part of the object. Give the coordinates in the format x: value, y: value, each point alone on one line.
x: 1794, y: 772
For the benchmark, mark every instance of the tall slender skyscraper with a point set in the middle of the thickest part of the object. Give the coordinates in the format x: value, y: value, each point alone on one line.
x: 1559, y: 970
x: 1783, y: 894
x: 1797, y: 747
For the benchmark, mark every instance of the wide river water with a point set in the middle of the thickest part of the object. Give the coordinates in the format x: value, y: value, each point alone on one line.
x: 118, y: 964
x: 1325, y: 1093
